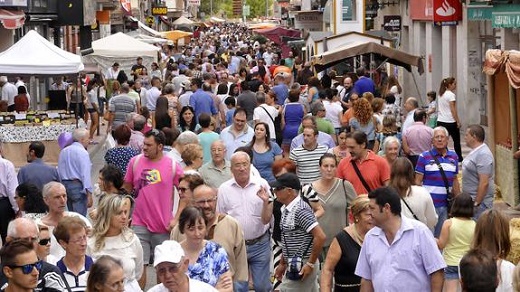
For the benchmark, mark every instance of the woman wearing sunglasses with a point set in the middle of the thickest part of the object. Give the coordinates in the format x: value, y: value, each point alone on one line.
x: 111, y: 236
x: 43, y: 249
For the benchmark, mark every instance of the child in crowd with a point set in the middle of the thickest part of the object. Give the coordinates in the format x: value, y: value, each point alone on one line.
x: 432, y: 109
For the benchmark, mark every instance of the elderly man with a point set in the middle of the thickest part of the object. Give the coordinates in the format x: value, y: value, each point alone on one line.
x: 410, y: 106
x: 55, y: 197
x: 238, y: 134
x: 74, y: 167
x: 478, y: 170
x: 418, y: 137
x: 217, y: 171
x: 50, y: 278
x: 171, y: 266
x: 136, y: 122
x: 180, y: 143
x: 247, y: 200
x: 153, y: 176
x: 8, y: 205
x: 9, y: 91
x: 306, y: 156
x: 437, y: 171
x: 302, y: 237
x: 397, y: 244
x: 224, y: 230
x: 36, y: 171
x: 364, y: 169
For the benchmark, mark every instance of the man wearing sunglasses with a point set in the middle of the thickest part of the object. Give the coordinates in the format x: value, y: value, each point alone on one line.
x: 49, y: 278
x: 20, y: 265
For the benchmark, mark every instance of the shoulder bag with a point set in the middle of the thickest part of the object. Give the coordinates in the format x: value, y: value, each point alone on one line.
x: 446, y: 184
x: 410, y: 209
x: 356, y: 169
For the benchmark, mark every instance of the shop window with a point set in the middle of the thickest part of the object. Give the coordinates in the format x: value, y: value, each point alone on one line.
x: 348, y: 10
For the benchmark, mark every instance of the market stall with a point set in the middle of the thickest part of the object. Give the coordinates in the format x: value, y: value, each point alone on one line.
x: 503, y: 70
x: 34, y: 55
x: 275, y: 34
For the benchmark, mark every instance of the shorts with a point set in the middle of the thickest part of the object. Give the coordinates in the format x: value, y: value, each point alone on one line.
x: 451, y: 273
x: 91, y: 110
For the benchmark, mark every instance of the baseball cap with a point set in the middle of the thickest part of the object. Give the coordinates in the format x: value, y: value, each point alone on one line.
x: 287, y: 180
x: 170, y: 251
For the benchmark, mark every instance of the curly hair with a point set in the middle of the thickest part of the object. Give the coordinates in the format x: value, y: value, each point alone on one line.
x: 362, y: 111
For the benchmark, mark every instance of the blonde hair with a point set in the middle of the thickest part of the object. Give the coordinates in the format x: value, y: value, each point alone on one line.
x: 359, y: 204
x: 109, y: 206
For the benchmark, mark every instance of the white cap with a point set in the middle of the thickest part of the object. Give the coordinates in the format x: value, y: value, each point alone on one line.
x: 169, y: 251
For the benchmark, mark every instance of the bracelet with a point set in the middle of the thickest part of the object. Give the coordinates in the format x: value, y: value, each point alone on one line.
x: 310, y: 265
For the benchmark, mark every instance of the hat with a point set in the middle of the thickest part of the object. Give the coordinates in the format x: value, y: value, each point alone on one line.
x: 186, y: 84
x: 288, y: 180
x: 170, y: 251
x: 115, y: 64
x: 316, y: 107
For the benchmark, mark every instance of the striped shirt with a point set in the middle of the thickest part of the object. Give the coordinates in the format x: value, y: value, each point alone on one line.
x: 432, y: 178
x: 308, y: 169
x: 120, y: 106
x: 296, y: 224
x: 77, y: 283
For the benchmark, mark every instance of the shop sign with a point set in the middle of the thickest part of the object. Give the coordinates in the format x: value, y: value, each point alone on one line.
x: 505, y: 19
x: 421, y: 9
x: 392, y: 22
x: 159, y: 10
x: 447, y: 12
x: 311, y: 21
x: 480, y: 12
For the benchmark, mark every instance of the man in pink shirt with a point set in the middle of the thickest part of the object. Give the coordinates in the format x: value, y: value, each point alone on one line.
x: 417, y: 138
x: 153, y: 177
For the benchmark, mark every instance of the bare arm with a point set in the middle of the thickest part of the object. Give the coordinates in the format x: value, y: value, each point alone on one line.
x: 128, y: 187
x: 445, y: 234
x: 453, y: 109
x: 267, y: 207
x: 437, y: 280
x: 333, y: 256
x: 406, y: 148
x: 366, y: 285
x: 317, y: 244
x: 483, y: 184
x: 456, y: 187
x: 419, y: 178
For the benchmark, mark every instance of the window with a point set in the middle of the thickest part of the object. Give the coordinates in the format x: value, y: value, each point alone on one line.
x: 348, y: 10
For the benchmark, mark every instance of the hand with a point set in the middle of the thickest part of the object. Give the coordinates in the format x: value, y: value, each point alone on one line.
x: 172, y: 224
x: 90, y: 201
x: 224, y: 283
x: 279, y: 272
x: 263, y: 194
x: 306, y: 271
x: 458, y: 124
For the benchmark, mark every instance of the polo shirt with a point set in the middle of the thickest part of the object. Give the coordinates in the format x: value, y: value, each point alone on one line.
x: 121, y: 105
x: 403, y: 265
x: 307, y: 167
x: 296, y: 224
x: 374, y: 169
x: 419, y: 138
x: 202, y: 103
x: 233, y: 142
x: 214, y: 176
x: 478, y: 161
x: 76, y: 282
x: 432, y: 178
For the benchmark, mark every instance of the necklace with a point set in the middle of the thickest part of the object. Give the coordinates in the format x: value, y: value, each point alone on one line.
x: 355, y: 235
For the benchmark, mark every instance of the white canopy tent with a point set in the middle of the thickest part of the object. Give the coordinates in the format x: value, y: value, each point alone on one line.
x: 34, y: 55
x: 122, y: 49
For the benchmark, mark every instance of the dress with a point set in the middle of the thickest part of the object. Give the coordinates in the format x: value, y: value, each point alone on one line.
x: 263, y: 161
x: 293, y: 115
x: 120, y: 156
x: 211, y: 264
x: 344, y: 270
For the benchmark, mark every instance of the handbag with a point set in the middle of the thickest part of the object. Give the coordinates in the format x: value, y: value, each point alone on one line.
x: 356, y: 169
x: 446, y: 184
x: 410, y: 209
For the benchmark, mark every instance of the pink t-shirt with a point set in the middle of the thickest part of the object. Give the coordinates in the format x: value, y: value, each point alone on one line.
x: 153, y: 182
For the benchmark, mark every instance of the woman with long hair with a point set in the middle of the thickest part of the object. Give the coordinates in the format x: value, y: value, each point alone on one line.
x: 394, y: 88
x: 187, y: 121
x: 363, y: 120
x: 92, y: 106
x: 314, y: 86
x: 162, y: 116
x: 334, y: 194
x: 492, y: 234
x: 344, y: 250
x: 447, y: 115
x: 112, y: 236
x: 168, y: 91
x: 265, y: 151
x: 416, y: 202
x: 106, y: 275
x: 30, y: 201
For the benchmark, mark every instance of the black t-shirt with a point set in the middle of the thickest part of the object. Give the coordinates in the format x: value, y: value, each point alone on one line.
x: 137, y: 69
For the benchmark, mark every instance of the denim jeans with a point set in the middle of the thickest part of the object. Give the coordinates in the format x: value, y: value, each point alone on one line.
x: 442, y: 213
x: 149, y: 241
x: 76, y: 196
x: 240, y: 286
x: 486, y: 204
x: 259, y: 259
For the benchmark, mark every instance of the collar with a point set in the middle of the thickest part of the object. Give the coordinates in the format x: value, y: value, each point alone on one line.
x: 213, y: 165
x: 250, y: 183
x: 291, y: 205
x: 476, y: 148
x: 406, y: 225
x: 437, y: 153
x: 139, y: 133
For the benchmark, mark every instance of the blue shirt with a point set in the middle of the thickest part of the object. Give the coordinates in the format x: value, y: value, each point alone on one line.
x: 229, y: 117
x: 432, y: 178
x: 282, y: 92
x: 202, y: 103
x: 232, y: 142
x: 323, y: 139
x: 363, y: 85
x: 37, y: 173
x: 74, y: 163
x: 264, y: 161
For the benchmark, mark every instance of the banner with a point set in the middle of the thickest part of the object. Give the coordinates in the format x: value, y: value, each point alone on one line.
x: 447, y: 11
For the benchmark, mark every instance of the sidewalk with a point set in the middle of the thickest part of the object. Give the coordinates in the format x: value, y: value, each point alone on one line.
x: 100, y: 140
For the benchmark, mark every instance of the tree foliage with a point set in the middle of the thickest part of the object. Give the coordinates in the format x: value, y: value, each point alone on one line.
x: 257, y: 8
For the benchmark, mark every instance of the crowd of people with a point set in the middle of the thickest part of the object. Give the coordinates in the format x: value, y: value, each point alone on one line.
x: 235, y: 168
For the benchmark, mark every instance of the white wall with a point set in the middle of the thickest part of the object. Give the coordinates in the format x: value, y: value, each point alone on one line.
x: 346, y: 26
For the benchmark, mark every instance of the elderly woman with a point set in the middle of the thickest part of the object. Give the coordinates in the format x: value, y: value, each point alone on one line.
x: 112, y: 236
x: 71, y: 234
x: 344, y: 250
x: 122, y: 153
x: 193, y: 157
x: 208, y: 260
x: 106, y: 275
x: 390, y: 150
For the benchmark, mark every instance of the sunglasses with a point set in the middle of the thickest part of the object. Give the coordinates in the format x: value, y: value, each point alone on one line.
x: 44, y: 241
x: 27, y: 269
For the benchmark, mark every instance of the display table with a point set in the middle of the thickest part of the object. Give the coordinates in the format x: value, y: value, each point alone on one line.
x: 16, y: 141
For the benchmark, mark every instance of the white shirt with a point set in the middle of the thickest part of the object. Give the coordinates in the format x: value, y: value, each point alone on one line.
x: 332, y: 111
x: 195, y: 285
x: 408, y: 121
x: 111, y: 74
x: 444, y: 112
x: 9, y: 91
x: 261, y: 115
x: 151, y: 97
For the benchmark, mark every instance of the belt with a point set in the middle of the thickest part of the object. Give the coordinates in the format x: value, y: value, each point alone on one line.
x: 255, y: 240
x: 347, y: 285
x: 74, y: 179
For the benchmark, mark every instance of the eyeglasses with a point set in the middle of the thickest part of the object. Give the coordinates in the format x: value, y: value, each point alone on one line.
x: 27, y: 269
x: 79, y: 240
x: 204, y: 201
x: 172, y: 269
x: 44, y: 241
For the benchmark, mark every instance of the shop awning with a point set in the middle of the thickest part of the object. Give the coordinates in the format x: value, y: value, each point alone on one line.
x: 12, y: 19
x: 174, y: 35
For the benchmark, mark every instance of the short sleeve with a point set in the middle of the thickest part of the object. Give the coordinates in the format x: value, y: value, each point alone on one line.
x: 221, y: 264
x: 276, y: 149
x: 305, y: 218
x: 111, y: 106
x: 310, y: 194
x: 363, y: 269
x: 421, y: 163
